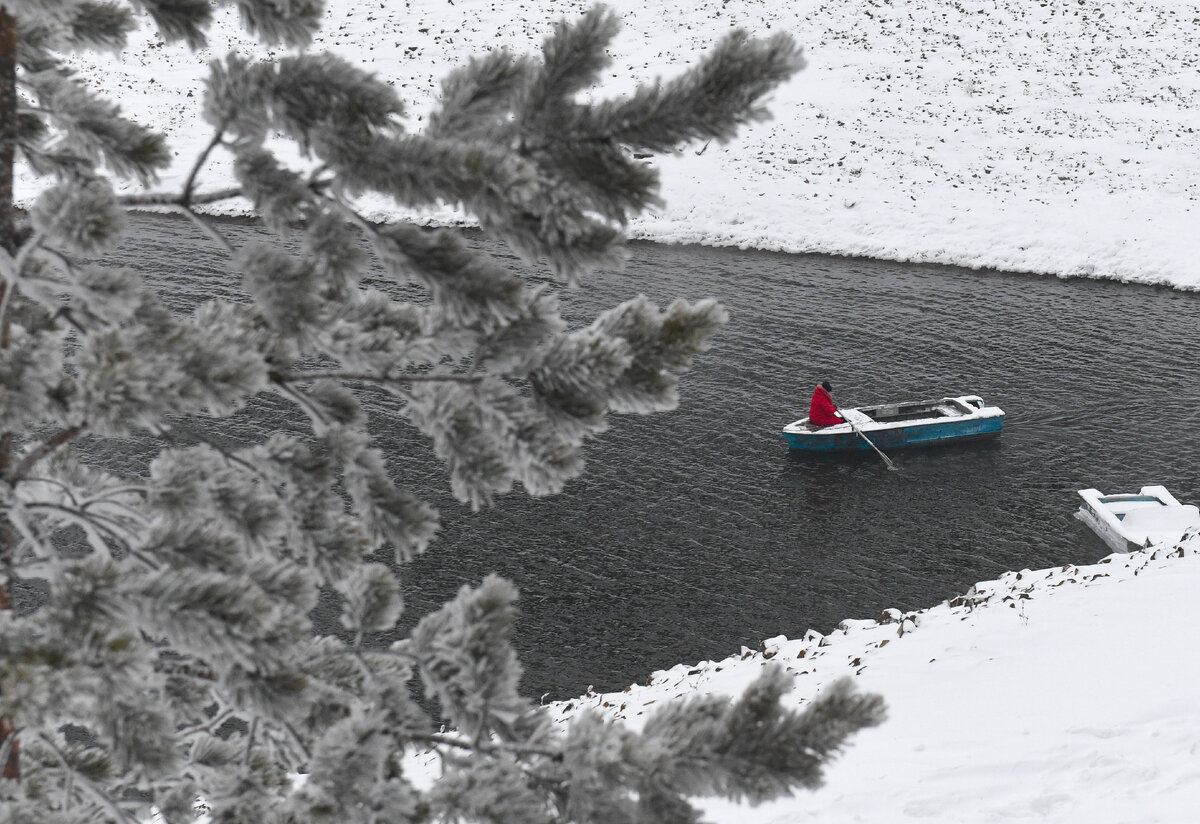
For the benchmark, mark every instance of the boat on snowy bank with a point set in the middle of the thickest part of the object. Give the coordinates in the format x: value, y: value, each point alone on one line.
x: 1133, y: 521
x: 900, y: 424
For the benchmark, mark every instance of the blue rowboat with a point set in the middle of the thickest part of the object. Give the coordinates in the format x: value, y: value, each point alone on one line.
x: 892, y: 425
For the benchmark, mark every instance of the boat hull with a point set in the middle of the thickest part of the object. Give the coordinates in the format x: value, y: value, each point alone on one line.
x: 1115, y: 541
x: 895, y: 426
x: 900, y: 437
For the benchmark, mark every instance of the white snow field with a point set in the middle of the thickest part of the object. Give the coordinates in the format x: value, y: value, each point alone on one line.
x: 1057, y: 137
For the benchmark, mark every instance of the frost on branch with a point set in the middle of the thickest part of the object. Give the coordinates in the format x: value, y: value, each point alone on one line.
x: 753, y: 748
x: 85, y: 216
x: 750, y: 748
x: 157, y: 640
x: 468, y: 664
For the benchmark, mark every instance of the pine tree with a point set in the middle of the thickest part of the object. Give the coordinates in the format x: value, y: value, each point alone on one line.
x: 171, y: 658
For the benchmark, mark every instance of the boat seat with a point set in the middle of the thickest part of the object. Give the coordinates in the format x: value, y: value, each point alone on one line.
x: 1159, y: 523
x: 1123, y: 506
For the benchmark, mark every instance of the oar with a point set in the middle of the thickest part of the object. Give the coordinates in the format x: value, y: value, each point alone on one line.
x: 863, y: 435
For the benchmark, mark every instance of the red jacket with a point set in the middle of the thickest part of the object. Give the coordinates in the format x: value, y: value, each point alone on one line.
x: 821, y: 411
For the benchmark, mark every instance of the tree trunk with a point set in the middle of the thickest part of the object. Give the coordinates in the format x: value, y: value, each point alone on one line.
x: 8, y: 239
x: 8, y: 127
x: 11, y: 766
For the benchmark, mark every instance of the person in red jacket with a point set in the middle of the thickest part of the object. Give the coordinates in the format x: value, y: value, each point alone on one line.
x: 822, y: 412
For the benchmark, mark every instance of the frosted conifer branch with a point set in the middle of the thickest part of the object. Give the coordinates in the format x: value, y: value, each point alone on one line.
x: 16, y: 515
x: 467, y: 662
x: 205, y: 226
x: 94, y: 131
x: 752, y: 748
x: 290, y: 22
x: 187, y: 600
x: 100, y: 25
x: 180, y: 19
x: 476, y: 97
x: 708, y: 102
x: 99, y: 535
x: 572, y: 59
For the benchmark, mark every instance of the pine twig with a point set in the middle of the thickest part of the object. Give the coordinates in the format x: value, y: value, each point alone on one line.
x: 490, y: 748
x: 204, y: 226
x: 64, y: 488
x: 186, y: 198
x: 213, y: 723
x: 66, y: 314
x: 366, y: 377
x: 250, y: 740
x: 112, y: 524
x: 100, y: 795
x: 28, y: 248
x: 63, y: 260
x: 103, y: 534
x: 10, y: 288
x: 107, y: 494
x: 16, y: 518
x: 299, y: 741
x: 165, y: 199
x: 169, y: 438
x: 8, y: 732
x: 43, y: 449
x: 314, y: 413
x: 183, y: 203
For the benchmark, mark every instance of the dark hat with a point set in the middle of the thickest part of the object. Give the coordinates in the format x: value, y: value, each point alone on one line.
x: 828, y: 386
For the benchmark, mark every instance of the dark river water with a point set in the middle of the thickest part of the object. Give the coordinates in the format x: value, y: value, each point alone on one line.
x: 695, y: 532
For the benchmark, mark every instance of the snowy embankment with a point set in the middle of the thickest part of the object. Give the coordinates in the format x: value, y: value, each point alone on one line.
x: 1052, y: 137
x: 1069, y: 695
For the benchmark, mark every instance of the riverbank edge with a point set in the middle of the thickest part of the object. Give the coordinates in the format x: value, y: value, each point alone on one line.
x: 976, y: 731
x: 469, y: 228
x: 849, y: 649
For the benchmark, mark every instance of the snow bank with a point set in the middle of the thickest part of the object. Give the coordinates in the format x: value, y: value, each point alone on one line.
x: 1054, y: 137
x: 1065, y: 694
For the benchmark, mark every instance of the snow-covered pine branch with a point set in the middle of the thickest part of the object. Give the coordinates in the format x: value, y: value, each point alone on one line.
x: 169, y: 656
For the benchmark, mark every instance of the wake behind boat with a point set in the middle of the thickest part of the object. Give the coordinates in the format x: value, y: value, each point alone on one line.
x: 901, y: 424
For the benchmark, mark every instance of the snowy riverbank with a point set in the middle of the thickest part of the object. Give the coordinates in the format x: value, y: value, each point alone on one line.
x: 1065, y: 695
x: 1058, y: 138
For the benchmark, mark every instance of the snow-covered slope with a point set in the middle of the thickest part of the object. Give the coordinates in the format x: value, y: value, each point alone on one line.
x: 1056, y: 137
x: 1059, y: 695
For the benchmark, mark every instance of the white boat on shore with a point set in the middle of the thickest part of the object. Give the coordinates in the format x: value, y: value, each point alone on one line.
x: 1133, y: 521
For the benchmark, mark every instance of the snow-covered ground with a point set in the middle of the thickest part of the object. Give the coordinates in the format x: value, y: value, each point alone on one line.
x: 1055, y: 137
x: 1060, y: 695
